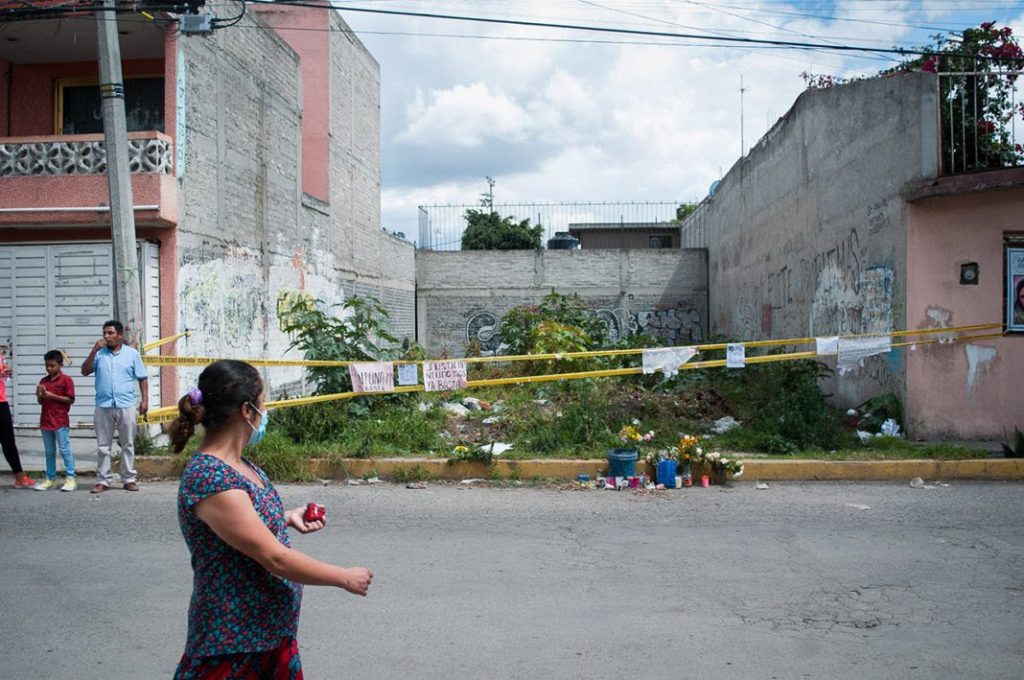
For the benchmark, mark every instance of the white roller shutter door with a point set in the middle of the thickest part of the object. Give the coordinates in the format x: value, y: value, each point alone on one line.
x: 57, y: 296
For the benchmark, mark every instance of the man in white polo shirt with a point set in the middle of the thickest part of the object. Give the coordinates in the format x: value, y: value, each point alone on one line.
x: 118, y: 368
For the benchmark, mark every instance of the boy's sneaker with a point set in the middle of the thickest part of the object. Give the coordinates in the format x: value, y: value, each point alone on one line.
x: 70, y: 484
x: 25, y: 482
x: 46, y: 485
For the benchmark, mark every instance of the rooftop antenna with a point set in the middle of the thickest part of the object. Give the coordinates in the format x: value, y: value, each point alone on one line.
x: 488, y: 198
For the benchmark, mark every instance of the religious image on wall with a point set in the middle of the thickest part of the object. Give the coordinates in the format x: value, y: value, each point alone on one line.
x: 1015, y: 289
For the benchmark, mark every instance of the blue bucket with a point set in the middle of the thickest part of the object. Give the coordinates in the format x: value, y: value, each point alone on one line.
x: 667, y: 473
x: 622, y: 463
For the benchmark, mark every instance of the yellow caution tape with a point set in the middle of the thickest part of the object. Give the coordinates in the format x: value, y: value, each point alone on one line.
x: 556, y: 356
x: 169, y: 413
x: 163, y: 341
x: 155, y: 360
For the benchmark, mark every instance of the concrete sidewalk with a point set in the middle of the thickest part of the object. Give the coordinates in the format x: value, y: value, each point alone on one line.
x: 30, y: 449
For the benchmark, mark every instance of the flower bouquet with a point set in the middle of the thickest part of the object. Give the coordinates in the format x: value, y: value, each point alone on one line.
x: 722, y: 467
x: 686, y: 452
x: 631, y: 436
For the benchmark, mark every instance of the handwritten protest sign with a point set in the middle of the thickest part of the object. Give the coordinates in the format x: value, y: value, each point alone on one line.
x: 443, y: 375
x: 377, y: 376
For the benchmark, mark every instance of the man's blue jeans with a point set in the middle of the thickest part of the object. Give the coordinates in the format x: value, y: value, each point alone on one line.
x: 51, y: 440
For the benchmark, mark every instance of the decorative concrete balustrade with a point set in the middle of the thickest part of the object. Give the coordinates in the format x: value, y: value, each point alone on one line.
x: 82, y: 155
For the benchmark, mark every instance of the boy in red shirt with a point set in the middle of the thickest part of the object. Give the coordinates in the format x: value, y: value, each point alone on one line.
x: 55, y: 393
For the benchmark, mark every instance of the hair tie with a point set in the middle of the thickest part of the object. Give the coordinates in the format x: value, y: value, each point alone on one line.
x: 195, y: 395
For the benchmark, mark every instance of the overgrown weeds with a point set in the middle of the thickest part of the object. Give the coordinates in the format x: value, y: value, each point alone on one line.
x: 379, y: 429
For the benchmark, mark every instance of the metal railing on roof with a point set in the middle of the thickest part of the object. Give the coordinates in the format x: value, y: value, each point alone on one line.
x: 441, y: 226
x: 981, y: 120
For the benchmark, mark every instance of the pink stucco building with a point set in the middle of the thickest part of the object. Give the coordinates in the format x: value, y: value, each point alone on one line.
x: 958, y: 232
x: 255, y: 174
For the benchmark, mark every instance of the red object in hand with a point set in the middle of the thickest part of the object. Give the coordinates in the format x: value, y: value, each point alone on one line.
x: 314, y: 513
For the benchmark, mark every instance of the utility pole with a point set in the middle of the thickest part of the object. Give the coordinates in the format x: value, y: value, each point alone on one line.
x: 128, y: 288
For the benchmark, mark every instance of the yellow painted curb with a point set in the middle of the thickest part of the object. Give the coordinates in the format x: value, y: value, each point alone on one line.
x: 755, y: 470
x: 882, y: 470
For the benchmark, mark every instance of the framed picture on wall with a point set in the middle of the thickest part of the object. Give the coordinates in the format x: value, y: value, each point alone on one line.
x: 1015, y: 288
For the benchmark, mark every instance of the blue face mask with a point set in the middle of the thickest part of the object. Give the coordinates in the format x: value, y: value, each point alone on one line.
x: 257, y: 432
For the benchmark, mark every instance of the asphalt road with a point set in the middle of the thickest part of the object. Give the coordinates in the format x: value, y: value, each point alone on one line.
x: 803, y: 580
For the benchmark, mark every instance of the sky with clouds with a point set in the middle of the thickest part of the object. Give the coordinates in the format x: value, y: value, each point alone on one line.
x: 559, y: 115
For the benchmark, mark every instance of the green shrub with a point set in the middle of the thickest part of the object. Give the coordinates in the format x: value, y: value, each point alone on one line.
x: 487, y: 230
x: 281, y: 458
x: 780, y: 405
x: 379, y: 428
x: 323, y: 422
x: 573, y: 422
x: 359, y: 334
x: 558, y: 324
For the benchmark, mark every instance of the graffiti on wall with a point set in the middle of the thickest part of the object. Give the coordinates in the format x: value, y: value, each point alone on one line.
x: 676, y: 325
x: 842, y: 306
x: 835, y: 275
x: 482, y: 330
x: 850, y: 297
x: 226, y: 300
x: 618, y: 321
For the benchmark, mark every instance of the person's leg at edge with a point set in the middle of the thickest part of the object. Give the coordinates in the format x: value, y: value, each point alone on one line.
x: 50, y: 453
x: 64, y: 444
x: 8, y: 443
x: 104, y: 421
x: 126, y: 428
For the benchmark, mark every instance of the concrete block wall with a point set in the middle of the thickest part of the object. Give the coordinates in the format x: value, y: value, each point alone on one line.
x: 247, y: 232
x: 807, y: 234
x: 239, y: 111
x: 461, y: 296
x: 369, y: 260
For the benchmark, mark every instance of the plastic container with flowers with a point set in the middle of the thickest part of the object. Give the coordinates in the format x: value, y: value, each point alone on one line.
x: 632, y: 437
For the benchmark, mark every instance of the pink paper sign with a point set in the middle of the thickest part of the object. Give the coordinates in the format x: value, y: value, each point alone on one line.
x: 444, y: 375
x: 378, y: 376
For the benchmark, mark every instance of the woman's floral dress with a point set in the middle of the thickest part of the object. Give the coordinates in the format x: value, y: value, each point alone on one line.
x: 242, y: 619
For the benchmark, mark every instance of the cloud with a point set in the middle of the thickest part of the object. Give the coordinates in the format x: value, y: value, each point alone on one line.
x: 578, y: 121
x: 464, y: 115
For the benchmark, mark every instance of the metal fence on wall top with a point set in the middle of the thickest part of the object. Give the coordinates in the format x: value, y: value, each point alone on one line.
x: 981, y: 120
x: 441, y: 226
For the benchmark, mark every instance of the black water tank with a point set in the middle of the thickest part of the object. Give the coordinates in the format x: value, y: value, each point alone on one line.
x: 563, y: 240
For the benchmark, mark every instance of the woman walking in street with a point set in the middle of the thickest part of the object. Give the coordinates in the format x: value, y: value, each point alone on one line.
x: 247, y: 584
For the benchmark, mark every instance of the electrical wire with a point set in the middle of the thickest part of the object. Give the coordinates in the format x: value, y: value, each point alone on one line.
x: 225, y: 23
x: 746, y: 41
x: 607, y: 29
